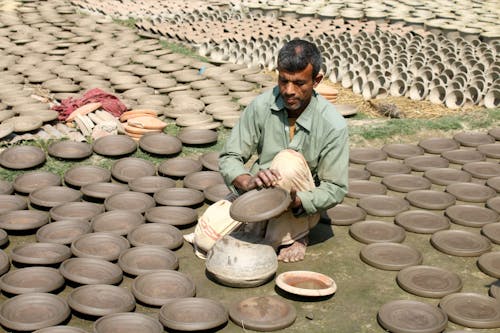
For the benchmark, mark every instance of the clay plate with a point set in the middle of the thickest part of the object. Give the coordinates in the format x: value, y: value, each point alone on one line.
x: 383, y: 205
x: 9, y: 202
x: 114, y: 145
x: 491, y: 150
x: 387, y: 168
x: 357, y: 173
x: 84, y: 211
x: 424, y: 163
x: 179, y: 197
x: 462, y: 156
x: 99, y: 245
x: 306, y: 283
x: 150, y: 184
x: 471, y: 215
x: 82, y: 175
x: 489, y: 263
x: 159, y: 287
x: 472, y: 310
x: 160, y: 144
x: 119, y: 221
x: 411, y: 316
x: 482, y: 170
x: 52, y: 196
x: 127, y: 322
x: 260, y: 205
x: 156, y: 234
x: 62, y: 232
x: 102, y: 190
x: 191, y: 314
x: 30, y: 181
x: 390, y: 256
x: 134, y: 201
x: 216, y: 192
x: 422, y: 221
x: 91, y: 271
x: 31, y: 280
x: 23, y: 219
x: 210, y: 160
x: 430, y: 199
x: 197, y: 136
x: 447, y: 176
x: 40, y: 253
x: 473, y: 139
x: 143, y: 259
x: 173, y: 215
x: 460, y: 243
x: 69, y: 150
x: 60, y: 329
x: 438, y: 145
x: 22, y: 157
x: 101, y: 299
x: 343, y: 214
x: 4, y: 262
x: 471, y: 192
x: 376, y: 232
x: 402, y: 150
x: 263, y: 313
x: 6, y: 187
x: 129, y: 168
x: 202, y: 179
x: 32, y: 311
x: 492, y: 231
x: 363, y: 188
x: 429, y: 281
x: 406, y: 183
x: 4, y: 237
x: 179, y: 166
x: 366, y: 155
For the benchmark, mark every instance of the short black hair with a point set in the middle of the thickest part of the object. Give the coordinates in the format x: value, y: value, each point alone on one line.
x: 295, y: 55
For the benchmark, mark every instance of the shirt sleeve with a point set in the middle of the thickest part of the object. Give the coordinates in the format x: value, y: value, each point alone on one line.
x: 333, y: 173
x: 240, y: 145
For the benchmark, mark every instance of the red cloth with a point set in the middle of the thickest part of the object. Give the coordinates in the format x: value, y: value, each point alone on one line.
x: 109, y: 102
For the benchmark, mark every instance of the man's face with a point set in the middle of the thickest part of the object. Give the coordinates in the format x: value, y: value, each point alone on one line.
x: 296, y: 88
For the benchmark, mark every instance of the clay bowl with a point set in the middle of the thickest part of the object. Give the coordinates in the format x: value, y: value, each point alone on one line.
x: 101, y: 299
x: 32, y: 311
x: 99, y: 245
x: 179, y: 166
x: 202, y: 179
x: 143, y: 259
x: 159, y: 287
x: 150, y: 184
x: 91, y: 271
x: 119, y: 222
x: 82, y: 175
x: 23, y: 219
x: 173, y: 215
x: 62, y: 232
x: 69, y: 150
x: 133, y: 201
x: 114, y: 145
x: 40, y: 253
x: 179, y: 197
x: 156, y: 234
x: 11, y: 202
x: 75, y: 211
x: 127, y: 322
x: 102, y: 190
x: 160, y: 144
x: 31, y: 280
x: 129, y: 168
x: 306, y: 283
x: 22, y: 157
x: 51, y: 196
x: 193, y: 313
x: 30, y: 181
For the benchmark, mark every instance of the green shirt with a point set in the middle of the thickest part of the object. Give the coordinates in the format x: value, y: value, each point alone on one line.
x: 321, y: 136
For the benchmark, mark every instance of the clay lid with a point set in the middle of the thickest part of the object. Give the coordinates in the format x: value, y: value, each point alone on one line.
x: 134, y: 201
x: 402, y: 150
x: 471, y: 310
x: 127, y: 322
x: 32, y: 311
x: 23, y: 219
x: 406, y: 183
x: 260, y: 205
x: 408, y: 315
x: 193, y: 313
x: 482, y: 170
x: 10, y: 202
x: 263, y: 313
x: 429, y: 281
x: 491, y: 150
x: 216, y: 192
x: 390, y: 256
x: 422, y: 221
x: 83, y: 211
x: 62, y: 232
x: 102, y: 190
x: 383, y: 205
x: 210, y: 160
x: 376, y: 232
x: 438, y: 145
x: 173, y: 215
x: 363, y: 188
x: 25, y: 123
x: 366, y: 155
x: 114, y: 145
x: 143, y: 259
x: 424, y: 163
x: 40, y: 253
x: 101, y: 299
x: 446, y: 176
x: 492, y: 231
x: 202, y: 179
x: 91, y: 271
x: 471, y: 216
x: 31, y: 279
x: 190, y: 136
x: 473, y: 139
x: 179, y: 166
x: 81, y: 175
x: 430, y: 199
x: 51, y: 196
x: 129, y: 168
x: 179, y: 197
x: 119, y: 222
x: 471, y: 192
x: 489, y: 263
x: 160, y: 144
x: 156, y: 234
x: 462, y: 156
x: 69, y: 150
x: 460, y: 243
x: 343, y: 214
x: 99, y: 245
x: 22, y: 157
x: 150, y: 184
x: 358, y: 173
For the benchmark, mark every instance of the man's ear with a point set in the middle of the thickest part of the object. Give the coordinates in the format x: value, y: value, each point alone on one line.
x: 317, y: 79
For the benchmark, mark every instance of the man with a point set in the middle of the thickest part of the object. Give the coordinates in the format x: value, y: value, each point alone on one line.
x: 302, y: 145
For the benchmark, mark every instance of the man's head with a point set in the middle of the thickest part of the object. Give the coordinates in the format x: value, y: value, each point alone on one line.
x: 299, y: 64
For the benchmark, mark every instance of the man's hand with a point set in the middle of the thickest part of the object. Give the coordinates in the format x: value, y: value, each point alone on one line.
x: 263, y: 178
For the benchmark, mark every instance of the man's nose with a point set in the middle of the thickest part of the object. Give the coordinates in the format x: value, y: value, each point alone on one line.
x: 289, y: 89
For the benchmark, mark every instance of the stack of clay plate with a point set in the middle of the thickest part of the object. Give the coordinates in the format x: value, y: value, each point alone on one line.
x: 138, y: 122
x: 327, y: 91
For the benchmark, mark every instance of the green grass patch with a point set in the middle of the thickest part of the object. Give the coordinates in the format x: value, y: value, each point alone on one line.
x: 182, y: 49
x: 130, y: 22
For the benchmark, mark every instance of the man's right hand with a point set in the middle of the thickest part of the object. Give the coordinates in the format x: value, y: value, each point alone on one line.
x: 263, y: 178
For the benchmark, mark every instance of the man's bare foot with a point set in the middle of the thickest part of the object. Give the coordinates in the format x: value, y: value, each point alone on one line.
x: 294, y: 252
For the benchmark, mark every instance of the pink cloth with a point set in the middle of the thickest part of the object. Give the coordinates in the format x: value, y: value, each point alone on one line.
x: 110, y: 103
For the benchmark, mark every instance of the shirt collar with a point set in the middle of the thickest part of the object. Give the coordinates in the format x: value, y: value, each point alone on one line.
x: 305, y: 119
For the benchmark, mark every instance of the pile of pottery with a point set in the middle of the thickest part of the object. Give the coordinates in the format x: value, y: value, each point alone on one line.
x: 138, y: 122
